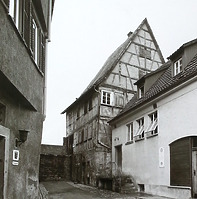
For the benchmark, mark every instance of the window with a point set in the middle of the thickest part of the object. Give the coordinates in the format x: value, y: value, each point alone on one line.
x: 144, y: 52
x: 90, y: 104
x: 178, y: 66
x: 130, y: 132
x: 25, y: 19
x: 141, y: 91
x: 34, y: 41
x: 2, y: 114
x: 78, y: 113
x: 140, y: 131
x: 19, y: 10
x: 106, y: 98
x: 15, y: 12
x: 37, y: 43
x: 153, y: 127
x: 85, y: 108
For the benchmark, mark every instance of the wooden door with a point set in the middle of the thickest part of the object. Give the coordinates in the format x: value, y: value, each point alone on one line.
x: 2, y: 160
x: 194, y: 172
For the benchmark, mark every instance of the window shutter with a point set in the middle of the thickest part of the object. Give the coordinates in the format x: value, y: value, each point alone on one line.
x: 26, y: 21
x: 32, y: 31
x: 112, y: 98
x: 42, y: 52
x: 32, y: 47
x: 7, y: 2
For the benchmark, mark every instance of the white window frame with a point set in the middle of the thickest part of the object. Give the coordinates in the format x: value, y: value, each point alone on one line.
x: 178, y: 66
x: 140, y: 131
x: 153, y: 126
x: 36, y: 40
x: 16, y: 12
x: 130, y: 132
x: 141, y: 91
x: 107, y: 97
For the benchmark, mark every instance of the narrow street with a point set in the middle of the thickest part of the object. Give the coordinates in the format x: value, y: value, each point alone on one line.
x: 69, y: 190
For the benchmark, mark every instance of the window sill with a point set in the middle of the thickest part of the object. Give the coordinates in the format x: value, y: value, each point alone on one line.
x: 179, y: 187
x: 148, y: 135
x: 109, y: 105
x: 139, y: 139
x: 129, y: 142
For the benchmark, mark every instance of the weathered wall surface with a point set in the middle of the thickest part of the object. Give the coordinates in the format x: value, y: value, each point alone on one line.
x: 16, y: 62
x: 21, y: 95
x: 54, y: 163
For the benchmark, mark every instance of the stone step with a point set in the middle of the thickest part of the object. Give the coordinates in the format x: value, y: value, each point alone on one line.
x: 128, y: 188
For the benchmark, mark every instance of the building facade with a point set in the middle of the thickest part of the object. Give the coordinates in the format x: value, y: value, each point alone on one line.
x: 24, y: 33
x: 88, y: 135
x: 154, y: 138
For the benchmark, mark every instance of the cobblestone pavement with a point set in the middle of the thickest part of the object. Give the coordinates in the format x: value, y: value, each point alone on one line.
x: 69, y: 190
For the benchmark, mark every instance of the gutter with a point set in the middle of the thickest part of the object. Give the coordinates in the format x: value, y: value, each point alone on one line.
x: 46, y: 58
x: 152, y: 101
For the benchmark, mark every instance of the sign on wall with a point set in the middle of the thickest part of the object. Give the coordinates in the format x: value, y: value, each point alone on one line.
x: 161, y: 157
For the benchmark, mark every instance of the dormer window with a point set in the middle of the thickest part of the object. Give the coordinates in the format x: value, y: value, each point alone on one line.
x: 178, y: 67
x: 141, y: 91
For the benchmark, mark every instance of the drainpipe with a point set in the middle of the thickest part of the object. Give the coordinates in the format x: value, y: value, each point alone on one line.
x: 46, y: 56
x: 98, y: 126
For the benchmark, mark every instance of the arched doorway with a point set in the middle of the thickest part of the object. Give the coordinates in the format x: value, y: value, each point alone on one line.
x: 183, y: 163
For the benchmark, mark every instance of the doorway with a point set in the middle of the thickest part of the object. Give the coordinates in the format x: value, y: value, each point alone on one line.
x: 118, y: 157
x: 194, y: 174
x: 2, y: 161
x: 194, y: 167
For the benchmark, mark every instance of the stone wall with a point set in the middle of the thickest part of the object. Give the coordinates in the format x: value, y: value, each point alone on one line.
x: 54, y: 163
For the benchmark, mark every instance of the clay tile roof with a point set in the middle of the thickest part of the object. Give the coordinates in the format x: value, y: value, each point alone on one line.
x: 162, y: 85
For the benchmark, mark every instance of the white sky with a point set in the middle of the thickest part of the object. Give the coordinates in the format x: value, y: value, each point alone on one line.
x: 85, y: 33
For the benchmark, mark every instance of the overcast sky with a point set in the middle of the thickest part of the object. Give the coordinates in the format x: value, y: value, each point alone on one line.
x: 84, y: 34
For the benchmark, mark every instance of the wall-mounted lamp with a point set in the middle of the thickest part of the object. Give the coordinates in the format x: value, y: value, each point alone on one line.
x: 22, y: 137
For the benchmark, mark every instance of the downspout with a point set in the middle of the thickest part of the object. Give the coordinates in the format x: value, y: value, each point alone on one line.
x: 99, y: 101
x: 99, y: 106
x: 48, y: 39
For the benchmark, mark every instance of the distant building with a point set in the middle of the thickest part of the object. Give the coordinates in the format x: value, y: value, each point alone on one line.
x: 154, y: 138
x: 24, y: 33
x: 88, y: 135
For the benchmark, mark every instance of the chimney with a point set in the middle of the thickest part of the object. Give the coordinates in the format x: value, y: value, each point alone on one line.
x: 129, y: 34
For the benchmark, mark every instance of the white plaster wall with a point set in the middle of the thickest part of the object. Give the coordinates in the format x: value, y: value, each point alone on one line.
x: 177, y: 115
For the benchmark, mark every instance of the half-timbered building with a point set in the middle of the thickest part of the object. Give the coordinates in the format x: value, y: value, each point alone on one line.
x: 88, y: 135
x: 154, y: 138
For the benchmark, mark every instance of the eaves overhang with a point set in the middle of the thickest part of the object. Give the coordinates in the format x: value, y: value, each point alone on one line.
x: 165, y: 92
x: 181, y: 49
x: 81, y: 98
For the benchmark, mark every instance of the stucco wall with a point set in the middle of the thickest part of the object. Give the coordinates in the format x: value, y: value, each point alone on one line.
x: 19, y: 71
x: 16, y: 62
x: 176, y: 119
